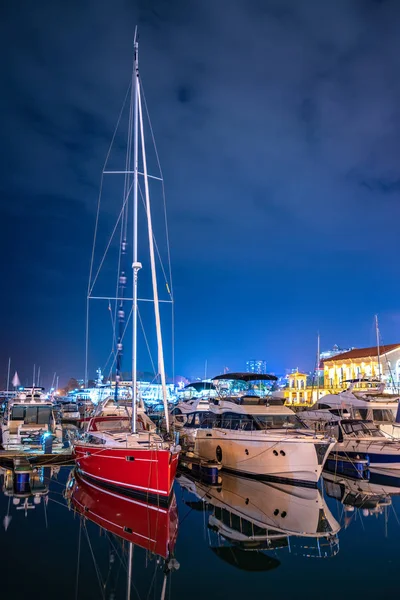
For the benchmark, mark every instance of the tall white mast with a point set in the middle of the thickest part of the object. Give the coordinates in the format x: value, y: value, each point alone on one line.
x: 318, y: 360
x: 161, y: 367
x: 136, y: 266
x: 378, y: 347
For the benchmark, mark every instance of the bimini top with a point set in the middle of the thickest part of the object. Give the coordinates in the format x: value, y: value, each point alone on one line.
x: 199, y: 386
x: 247, y: 377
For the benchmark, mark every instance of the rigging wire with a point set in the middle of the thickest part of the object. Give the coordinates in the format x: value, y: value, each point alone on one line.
x: 90, y: 287
x: 166, y: 226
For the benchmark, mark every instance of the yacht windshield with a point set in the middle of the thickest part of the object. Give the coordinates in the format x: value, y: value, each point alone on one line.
x: 278, y: 422
x: 114, y: 425
x: 361, y: 429
x: 31, y: 415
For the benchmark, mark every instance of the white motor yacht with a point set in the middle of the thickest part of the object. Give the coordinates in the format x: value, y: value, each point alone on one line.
x: 260, y: 437
x: 333, y: 407
x: 358, y: 440
x: 29, y: 423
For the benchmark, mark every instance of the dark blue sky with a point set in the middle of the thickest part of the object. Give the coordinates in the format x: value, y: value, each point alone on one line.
x: 278, y: 128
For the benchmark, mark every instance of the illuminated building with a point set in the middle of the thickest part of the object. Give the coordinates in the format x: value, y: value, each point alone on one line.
x: 297, y: 391
x: 256, y: 366
x: 363, y: 364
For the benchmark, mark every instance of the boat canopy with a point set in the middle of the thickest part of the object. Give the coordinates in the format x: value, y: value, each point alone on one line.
x: 199, y: 386
x: 246, y: 377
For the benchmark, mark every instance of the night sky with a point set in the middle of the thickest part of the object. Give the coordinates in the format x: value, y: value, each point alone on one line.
x: 278, y: 129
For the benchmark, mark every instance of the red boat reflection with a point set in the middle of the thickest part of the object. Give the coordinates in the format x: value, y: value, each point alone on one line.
x: 149, y: 526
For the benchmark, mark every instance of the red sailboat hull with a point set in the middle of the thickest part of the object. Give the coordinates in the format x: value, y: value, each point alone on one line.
x: 147, y: 473
x: 153, y: 528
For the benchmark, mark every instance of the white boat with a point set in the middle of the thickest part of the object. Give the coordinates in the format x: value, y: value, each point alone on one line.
x: 256, y: 516
x: 29, y: 423
x: 260, y: 437
x: 347, y: 404
x: 357, y: 439
x: 187, y: 416
x: 70, y: 411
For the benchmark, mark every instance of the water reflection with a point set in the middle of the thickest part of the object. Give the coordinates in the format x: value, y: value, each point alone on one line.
x: 96, y: 543
x: 127, y: 522
x: 370, y: 496
x: 26, y: 488
x: 248, y: 518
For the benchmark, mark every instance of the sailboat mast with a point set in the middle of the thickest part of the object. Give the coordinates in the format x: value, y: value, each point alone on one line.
x: 161, y: 367
x: 378, y: 347
x: 136, y: 265
x: 318, y: 361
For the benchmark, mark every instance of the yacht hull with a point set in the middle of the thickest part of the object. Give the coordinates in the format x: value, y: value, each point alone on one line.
x: 293, y: 459
x: 145, y: 473
x: 384, y: 456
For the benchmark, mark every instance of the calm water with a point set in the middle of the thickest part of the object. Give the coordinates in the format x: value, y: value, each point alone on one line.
x: 349, y: 543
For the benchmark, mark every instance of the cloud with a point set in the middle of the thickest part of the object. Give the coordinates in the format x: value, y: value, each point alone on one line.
x: 277, y: 124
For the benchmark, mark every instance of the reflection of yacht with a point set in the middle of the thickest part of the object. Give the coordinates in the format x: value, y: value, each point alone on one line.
x: 141, y: 524
x: 25, y: 485
x: 29, y: 423
x: 151, y: 527
x: 371, y: 495
x: 251, y: 515
x: 259, y: 436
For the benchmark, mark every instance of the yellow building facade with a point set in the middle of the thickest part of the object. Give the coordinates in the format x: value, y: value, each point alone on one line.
x: 363, y: 364
x: 298, y: 394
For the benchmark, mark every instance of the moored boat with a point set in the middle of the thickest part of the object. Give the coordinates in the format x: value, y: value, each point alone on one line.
x: 139, y: 462
x: 260, y: 437
x: 126, y: 452
x: 29, y: 423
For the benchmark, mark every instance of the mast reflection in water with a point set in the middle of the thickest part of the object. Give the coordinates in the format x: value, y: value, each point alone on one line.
x: 129, y: 522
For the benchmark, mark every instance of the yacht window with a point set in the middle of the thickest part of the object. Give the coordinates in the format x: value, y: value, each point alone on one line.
x: 44, y: 414
x: 361, y: 429
x: 194, y: 420
x: 362, y: 413
x: 279, y: 422
x: 18, y: 413
x: 383, y: 415
x: 237, y: 422
x: 37, y: 415
x: 92, y: 439
x: 210, y: 420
